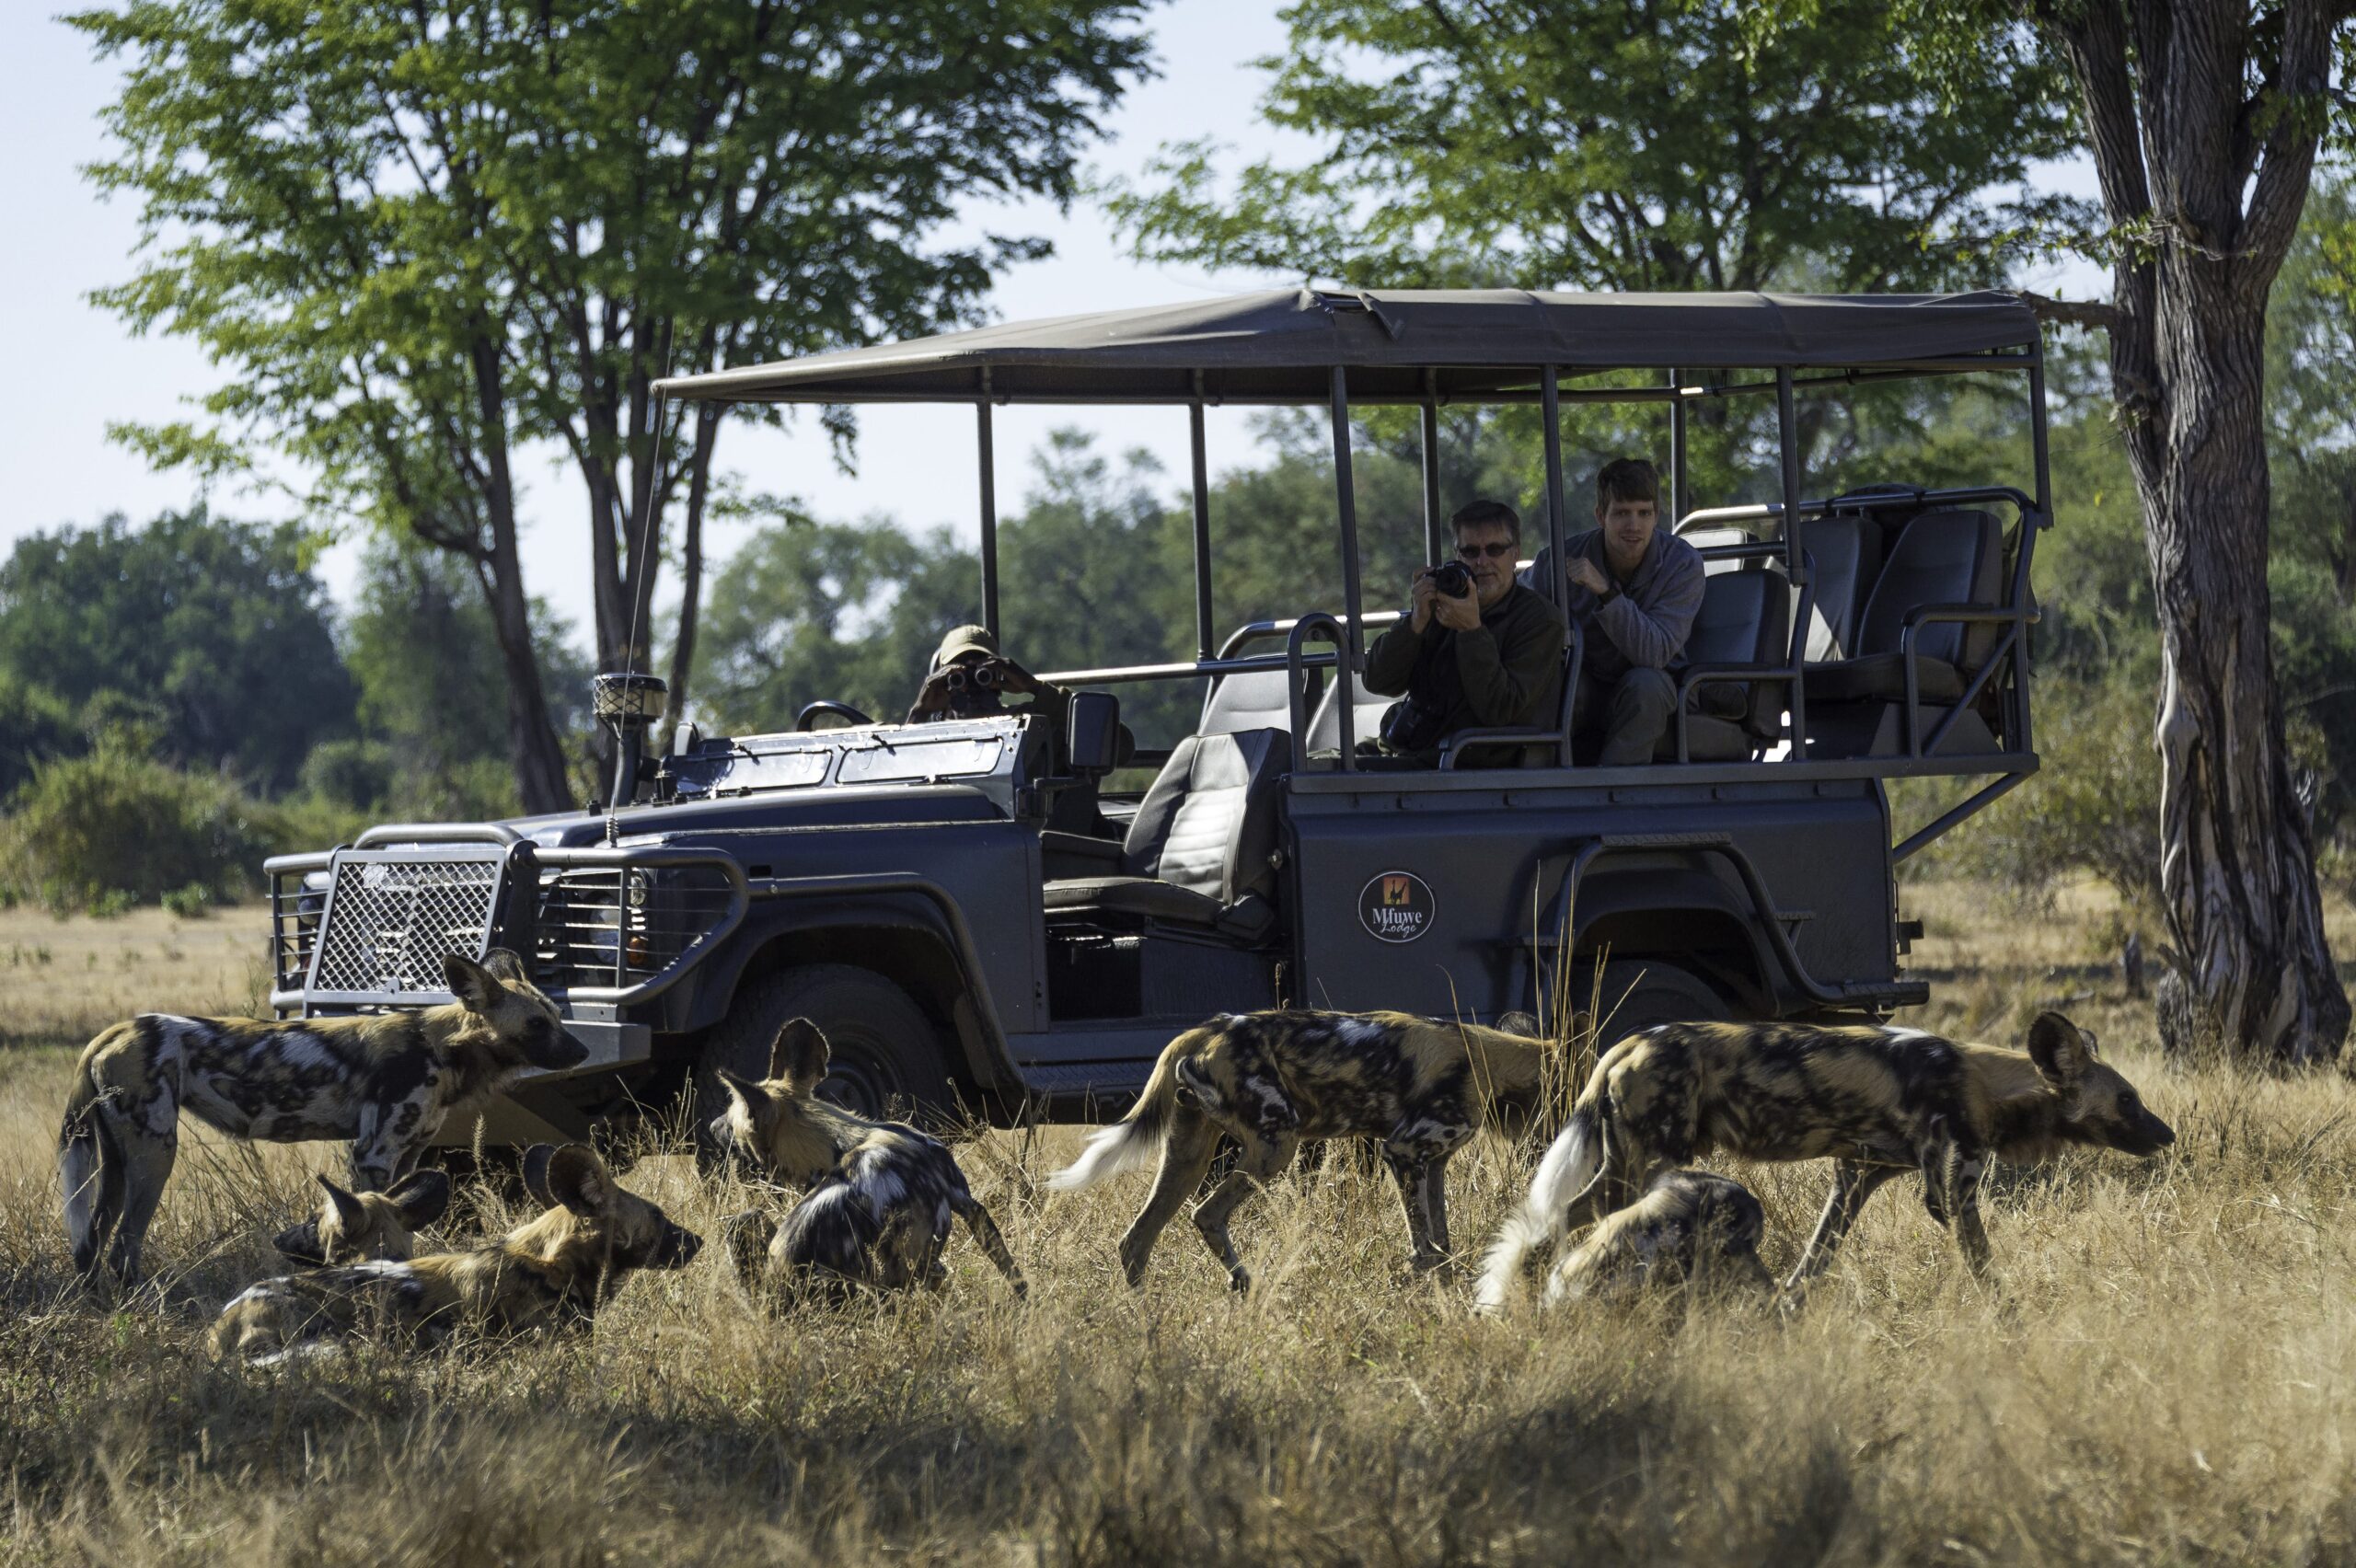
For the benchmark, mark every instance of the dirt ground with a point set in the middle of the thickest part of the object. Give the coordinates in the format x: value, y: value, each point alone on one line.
x: 2165, y: 1371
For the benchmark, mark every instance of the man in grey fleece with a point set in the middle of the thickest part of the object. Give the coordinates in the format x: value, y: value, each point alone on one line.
x: 1634, y: 594
x: 1490, y: 657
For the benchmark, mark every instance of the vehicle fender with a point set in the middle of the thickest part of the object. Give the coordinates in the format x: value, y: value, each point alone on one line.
x: 1634, y: 903
x: 902, y: 936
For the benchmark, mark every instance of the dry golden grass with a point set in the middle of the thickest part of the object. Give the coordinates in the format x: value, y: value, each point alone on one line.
x: 67, y: 978
x: 2165, y: 1372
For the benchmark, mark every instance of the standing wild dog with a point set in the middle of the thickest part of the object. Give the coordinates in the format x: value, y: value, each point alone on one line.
x: 1691, y: 1229
x: 386, y: 1081
x: 1418, y: 1086
x: 355, y: 1227
x: 551, y: 1273
x: 1876, y: 1101
x: 879, y: 1195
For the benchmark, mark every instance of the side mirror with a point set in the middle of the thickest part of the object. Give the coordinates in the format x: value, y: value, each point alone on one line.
x: 1094, y: 731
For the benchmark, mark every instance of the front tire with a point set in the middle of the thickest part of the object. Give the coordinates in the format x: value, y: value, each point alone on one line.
x: 884, y: 1058
x: 1635, y: 994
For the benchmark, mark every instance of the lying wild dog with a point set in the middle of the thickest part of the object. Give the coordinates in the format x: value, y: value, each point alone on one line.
x: 879, y: 1195
x: 386, y: 1081
x: 1419, y: 1085
x: 1690, y: 1228
x: 354, y: 1228
x: 551, y: 1273
x: 1877, y: 1101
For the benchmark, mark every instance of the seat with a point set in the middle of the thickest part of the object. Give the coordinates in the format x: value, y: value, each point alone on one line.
x: 1745, y: 619
x: 1941, y: 557
x: 1714, y: 539
x: 1248, y: 700
x: 1846, y: 547
x: 1200, y: 851
x: 1366, y: 716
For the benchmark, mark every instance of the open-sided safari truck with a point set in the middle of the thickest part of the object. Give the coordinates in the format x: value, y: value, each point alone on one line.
x: 903, y: 884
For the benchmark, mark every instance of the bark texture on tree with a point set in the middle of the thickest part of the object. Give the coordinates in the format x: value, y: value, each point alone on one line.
x: 2178, y: 140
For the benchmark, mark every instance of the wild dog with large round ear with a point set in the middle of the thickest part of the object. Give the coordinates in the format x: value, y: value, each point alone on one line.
x: 550, y: 1273
x: 1878, y: 1102
x: 354, y: 1228
x: 880, y: 1194
x: 387, y: 1082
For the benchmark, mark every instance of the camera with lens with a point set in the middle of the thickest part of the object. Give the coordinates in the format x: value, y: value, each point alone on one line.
x: 1453, y: 578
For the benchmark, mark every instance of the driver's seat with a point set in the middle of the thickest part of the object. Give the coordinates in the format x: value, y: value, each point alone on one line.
x: 1201, y: 850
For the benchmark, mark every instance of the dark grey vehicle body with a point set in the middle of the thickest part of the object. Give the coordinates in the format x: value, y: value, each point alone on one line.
x: 1760, y: 883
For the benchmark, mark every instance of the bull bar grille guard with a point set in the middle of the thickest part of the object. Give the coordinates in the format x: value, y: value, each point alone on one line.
x: 365, y: 925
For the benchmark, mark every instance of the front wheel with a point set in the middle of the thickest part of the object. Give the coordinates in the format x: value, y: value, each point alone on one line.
x: 884, y: 1059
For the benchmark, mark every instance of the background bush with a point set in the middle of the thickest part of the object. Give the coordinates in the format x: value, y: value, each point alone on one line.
x: 91, y: 832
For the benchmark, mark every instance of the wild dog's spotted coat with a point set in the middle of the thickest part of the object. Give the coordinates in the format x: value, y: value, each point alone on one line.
x: 355, y: 1227
x: 1270, y: 1079
x: 1876, y: 1101
x: 880, y: 1194
x: 386, y: 1081
x: 1690, y: 1228
x: 552, y: 1272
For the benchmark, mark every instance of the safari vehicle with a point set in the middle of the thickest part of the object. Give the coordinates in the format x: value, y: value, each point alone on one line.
x: 906, y: 887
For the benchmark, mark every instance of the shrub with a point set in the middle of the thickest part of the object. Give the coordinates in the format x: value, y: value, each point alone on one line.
x: 193, y: 902
x: 114, y: 828
x: 2094, y: 806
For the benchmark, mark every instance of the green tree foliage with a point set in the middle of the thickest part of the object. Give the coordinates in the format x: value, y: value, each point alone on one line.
x: 424, y: 235
x: 1606, y: 145
x: 422, y: 650
x: 114, y: 823
x: 213, y: 634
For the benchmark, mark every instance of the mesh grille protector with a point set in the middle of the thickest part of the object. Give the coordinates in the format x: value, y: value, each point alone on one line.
x: 392, y: 921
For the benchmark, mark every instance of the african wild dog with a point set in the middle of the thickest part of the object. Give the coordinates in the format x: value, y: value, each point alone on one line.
x: 1690, y: 1228
x: 551, y: 1273
x: 386, y: 1081
x: 355, y: 1227
x: 1877, y: 1101
x: 879, y: 1195
x: 1421, y: 1087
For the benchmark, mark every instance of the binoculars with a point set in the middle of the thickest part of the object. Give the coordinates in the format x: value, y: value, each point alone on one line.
x: 977, y: 677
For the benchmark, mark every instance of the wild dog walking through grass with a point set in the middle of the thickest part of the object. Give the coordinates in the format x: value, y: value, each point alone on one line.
x: 386, y: 1081
x: 1876, y: 1101
x: 880, y: 1196
x: 1691, y: 1229
x: 1419, y: 1085
x: 552, y: 1272
x: 355, y: 1227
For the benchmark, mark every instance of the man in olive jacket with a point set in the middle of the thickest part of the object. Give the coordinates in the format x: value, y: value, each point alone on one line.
x: 1484, y: 659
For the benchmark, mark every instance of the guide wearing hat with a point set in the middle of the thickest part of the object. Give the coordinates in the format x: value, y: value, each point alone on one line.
x: 969, y: 678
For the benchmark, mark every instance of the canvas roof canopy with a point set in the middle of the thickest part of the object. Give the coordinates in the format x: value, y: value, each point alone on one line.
x: 1282, y: 345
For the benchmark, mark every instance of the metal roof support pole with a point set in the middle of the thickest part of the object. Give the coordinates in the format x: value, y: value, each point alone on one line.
x: 988, y: 444
x: 1787, y: 435
x: 1205, y: 629
x: 1431, y: 468
x: 1345, y: 499
x: 1550, y: 399
x: 1680, y: 495
x: 2037, y: 434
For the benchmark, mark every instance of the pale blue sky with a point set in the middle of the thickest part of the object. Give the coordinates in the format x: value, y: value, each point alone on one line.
x: 76, y: 369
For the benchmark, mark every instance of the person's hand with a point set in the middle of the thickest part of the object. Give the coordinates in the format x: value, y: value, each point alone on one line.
x: 933, y: 697
x: 1425, y: 593
x: 1584, y: 573
x: 1013, y: 677
x: 1461, y: 614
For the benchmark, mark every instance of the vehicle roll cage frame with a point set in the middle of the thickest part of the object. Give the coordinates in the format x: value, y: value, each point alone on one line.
x: 1346, y: 634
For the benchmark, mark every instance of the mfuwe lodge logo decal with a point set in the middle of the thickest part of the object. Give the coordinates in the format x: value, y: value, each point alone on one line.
x: 1396, y: 907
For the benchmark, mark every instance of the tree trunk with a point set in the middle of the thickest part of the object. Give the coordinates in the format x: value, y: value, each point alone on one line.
x: 683, y: 647
x: 2174, y: 147
x: 2238, y: 870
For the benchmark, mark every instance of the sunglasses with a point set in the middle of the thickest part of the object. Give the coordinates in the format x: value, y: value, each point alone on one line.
x: 1477, y: 552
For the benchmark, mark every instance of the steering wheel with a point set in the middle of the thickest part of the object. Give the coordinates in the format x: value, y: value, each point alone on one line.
x: 802, y: 721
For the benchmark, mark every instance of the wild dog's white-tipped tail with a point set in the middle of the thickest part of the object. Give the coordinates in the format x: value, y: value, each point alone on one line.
x: 1572, y: 1162
x: 1136, y: 1139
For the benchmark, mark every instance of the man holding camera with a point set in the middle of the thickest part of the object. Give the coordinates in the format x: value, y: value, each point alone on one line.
x: 1476, y: 651
x: 1634, y: 593
x: 969, y: 678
